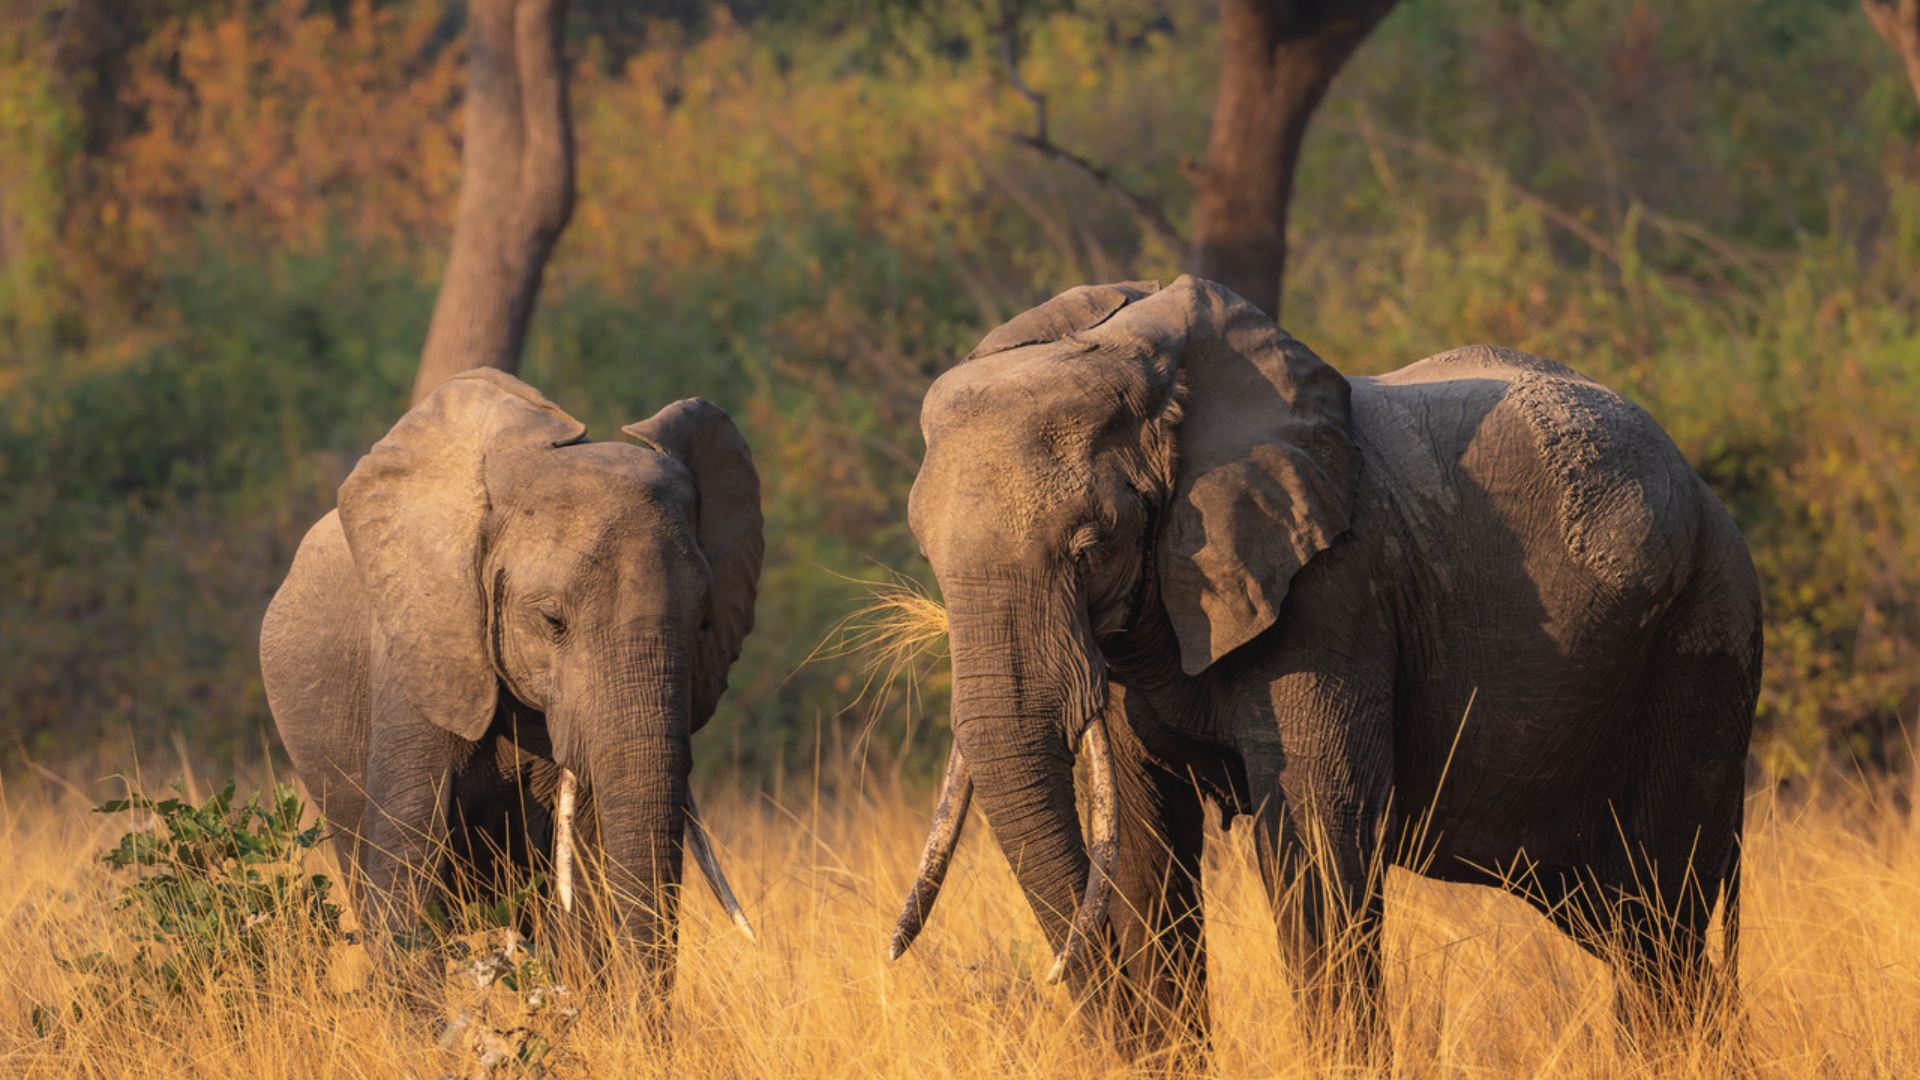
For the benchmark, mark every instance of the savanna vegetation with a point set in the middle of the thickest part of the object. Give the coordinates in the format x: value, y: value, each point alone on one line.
x: 218, y: 265
x: 1714, y: 206
x: 1478, y: 984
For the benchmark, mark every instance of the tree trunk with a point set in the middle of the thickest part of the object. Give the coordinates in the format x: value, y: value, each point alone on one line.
x: 1898, y: 24
x: 516, y: 188
x: 1277, y: 60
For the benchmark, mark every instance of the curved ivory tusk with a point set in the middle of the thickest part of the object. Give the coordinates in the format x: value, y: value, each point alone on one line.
x: 1106, y: 845
x: 563, y: 839
x: 701, y: 846
x: 949, y: 815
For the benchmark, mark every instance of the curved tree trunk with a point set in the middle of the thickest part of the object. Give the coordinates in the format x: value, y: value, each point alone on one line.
x: 1898, y: 24
x: 1277, y: 60
x: 516, y: 188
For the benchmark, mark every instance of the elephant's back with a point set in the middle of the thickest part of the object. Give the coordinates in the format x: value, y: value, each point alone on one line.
x: 1586, y: 481
x: 318, y: 617
x: 1477, y: 362
x: 1571, y: 569
x: 313, y: 662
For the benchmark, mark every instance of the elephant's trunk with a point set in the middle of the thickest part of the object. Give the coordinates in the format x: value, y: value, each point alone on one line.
x: 1026, y: 685
x: 699, y: 844
x: 637, y: 756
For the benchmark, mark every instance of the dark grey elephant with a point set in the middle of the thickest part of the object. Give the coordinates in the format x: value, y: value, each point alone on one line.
x: 1477, y: 618
x: 501, y: 614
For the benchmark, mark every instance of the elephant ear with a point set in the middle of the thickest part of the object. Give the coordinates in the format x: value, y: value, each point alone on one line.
x: 1266, y: 465
x: 414, y: 510
x: 701, y: 436
x: 1072, y: 311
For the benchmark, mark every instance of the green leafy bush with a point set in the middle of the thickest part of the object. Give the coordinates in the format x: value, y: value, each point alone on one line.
x: 220, y: 897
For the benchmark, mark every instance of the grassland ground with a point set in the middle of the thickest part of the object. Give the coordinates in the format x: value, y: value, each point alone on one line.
x: 1479, y: 985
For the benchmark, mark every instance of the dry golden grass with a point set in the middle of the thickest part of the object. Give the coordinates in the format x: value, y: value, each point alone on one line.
x: 1479, y: 985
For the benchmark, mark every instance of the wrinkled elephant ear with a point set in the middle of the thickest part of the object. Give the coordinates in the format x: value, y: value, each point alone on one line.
x: 1266, y: 464
x: 701, y: 436
x: 414, y: 510
x: 1072, y: 311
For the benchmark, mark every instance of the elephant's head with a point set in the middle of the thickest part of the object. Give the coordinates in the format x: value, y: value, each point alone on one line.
x: 1117, y: 462
x: 606, y: 585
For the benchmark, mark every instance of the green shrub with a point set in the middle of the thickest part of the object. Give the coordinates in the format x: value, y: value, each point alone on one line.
x: 220, y: 901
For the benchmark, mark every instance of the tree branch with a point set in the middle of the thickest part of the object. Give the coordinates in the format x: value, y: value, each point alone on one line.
x: 516, y: 188
x: 1488, y: 173
x: 1146, y: 211
x: 1730, y: 257
x: 1898, y: 24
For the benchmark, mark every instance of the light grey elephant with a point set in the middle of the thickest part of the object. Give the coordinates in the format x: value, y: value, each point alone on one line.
x: 1477, y: 618
x: 503, y: 639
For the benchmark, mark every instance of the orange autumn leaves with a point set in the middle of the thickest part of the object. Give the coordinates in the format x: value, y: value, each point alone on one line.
x: 280, y: 128
x: 275, y: 128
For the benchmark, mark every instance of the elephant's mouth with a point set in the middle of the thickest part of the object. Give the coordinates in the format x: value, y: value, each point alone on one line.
x: 949, y: 816
x: 699, y: 844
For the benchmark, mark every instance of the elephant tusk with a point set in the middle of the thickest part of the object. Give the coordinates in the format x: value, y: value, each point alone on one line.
x: 956, y: 792
x: 701, y: 846
x: 1106, y: 845
x: 563, y: 839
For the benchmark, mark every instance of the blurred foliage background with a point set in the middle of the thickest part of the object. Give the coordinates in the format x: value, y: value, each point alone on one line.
x: 219, y: 245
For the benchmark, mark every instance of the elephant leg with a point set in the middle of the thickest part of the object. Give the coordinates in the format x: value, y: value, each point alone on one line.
x: 526, y: 799
x: 410, y: 771
x: 407, y: 835
x: 1327, y: 908
x: 338, y: 797
x: 1652, y: 932
x: 1641, y: 894
x: 493, y: 830
x: 1681, y: 849
x: 1663, y: 975
x: 1320, y: 789
x: 329, y: 755
x: 501, y: 834
x: 1156, y: 916
x: 1697, y: 699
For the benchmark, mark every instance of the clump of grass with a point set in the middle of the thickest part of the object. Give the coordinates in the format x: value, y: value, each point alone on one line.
x: 898, y: 625
x: 896, y: 637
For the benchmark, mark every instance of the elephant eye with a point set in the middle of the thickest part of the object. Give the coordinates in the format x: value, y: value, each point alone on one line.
x: 1085, y: 539
x: 555, y: 624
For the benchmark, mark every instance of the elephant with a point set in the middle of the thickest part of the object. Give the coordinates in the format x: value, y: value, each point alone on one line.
x: 502, y: 640
x: 1477, y: 618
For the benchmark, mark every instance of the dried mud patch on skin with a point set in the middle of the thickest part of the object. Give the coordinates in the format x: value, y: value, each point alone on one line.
x: 1617, y: 479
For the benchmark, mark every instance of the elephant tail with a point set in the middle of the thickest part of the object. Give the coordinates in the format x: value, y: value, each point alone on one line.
x: 1730, y: 917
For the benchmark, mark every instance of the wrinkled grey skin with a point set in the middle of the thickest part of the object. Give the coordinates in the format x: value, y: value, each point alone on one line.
x: 495, y: 599
x: 1281, y: 590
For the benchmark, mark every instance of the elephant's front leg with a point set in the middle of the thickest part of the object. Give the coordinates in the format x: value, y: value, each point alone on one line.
x: 1320, y: 788
x: 1156, y: 918
x: 404, y: 833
